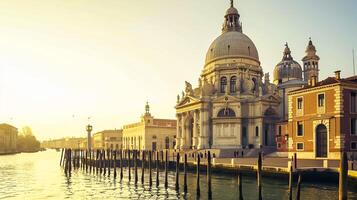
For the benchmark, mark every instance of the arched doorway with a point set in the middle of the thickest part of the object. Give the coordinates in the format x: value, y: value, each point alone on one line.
x: 268, y: 132
x: 321, y: 141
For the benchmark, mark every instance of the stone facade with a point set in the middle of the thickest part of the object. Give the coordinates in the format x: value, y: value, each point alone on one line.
x: 8, y: 139
x: 232, y: 107
x: 149, y: 133
x: 108, y: 139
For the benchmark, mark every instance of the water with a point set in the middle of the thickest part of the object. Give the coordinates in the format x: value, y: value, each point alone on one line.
x: 38, y: 176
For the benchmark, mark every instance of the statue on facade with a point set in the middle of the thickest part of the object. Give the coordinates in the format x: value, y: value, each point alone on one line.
x: 260, y: 91
x: 266, y: 78
x: 188, y: 89
x: 248, y: 85
x: 206, y: 89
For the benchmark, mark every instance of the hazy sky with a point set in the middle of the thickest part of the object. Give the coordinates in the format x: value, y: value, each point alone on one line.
x: 64, y: 60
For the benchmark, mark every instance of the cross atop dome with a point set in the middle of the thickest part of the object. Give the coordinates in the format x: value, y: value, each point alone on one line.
x: 287, y: 53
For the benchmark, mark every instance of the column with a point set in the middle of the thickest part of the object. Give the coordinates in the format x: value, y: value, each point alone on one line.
x: 183, y: 131
x: 194, y: 139
x: 204, y: 131
x: 178, y: 131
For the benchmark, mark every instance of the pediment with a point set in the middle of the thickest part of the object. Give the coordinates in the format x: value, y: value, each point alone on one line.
x: 188, y: 100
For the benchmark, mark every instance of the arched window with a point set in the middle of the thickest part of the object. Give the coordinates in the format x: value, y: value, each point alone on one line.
x: 223, y: 84
x: 233, y: 84
x: 257, y: 131
x: 154, y: 137
x: 255, y: 88
x: 167, y: 143
x: 226, y: 112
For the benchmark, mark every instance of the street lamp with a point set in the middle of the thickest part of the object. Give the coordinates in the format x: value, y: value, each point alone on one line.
x: 89, y: 129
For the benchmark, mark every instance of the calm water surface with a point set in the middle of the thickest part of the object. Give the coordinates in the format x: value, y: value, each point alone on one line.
x: 38, y: 176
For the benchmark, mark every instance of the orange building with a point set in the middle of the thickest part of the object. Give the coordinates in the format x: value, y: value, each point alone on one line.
x: 322, y: 118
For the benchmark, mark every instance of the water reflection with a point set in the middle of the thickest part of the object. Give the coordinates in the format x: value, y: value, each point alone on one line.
x: 38, y: 176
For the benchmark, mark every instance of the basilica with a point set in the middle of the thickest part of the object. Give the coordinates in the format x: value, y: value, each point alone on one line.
x: 235, y: 104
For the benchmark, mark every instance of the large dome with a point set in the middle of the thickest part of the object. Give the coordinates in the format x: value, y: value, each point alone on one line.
x: 232, y: 44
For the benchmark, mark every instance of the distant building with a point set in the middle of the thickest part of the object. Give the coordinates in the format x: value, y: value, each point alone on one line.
x: 150, y: 133
x: 323, y: 118
x: 107, y: 139
x: 8, y: 139
x: 73, y: 143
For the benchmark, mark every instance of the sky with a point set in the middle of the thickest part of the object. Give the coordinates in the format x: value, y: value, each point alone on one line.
x: 62, y: 61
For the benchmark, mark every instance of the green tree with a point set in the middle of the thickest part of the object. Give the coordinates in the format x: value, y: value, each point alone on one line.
x: 26, y: 141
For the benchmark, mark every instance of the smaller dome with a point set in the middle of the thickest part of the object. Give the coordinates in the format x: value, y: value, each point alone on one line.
x: 232, y: 11
x: 287, y: 69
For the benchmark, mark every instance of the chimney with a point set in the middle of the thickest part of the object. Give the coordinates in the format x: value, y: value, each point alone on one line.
x: 313, y: 80
x: 338, y: 74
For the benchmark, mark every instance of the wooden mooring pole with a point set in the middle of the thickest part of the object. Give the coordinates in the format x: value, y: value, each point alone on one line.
x: 259, y: 176
x: 177, y: 186
x: 65, y: 160
x: 209, y: 183
x: 61, y: 157
x: 166, y: 166
x: 185, y: 174
x: 121, y: 164
x: 129, y: 163
x: 136, y: 166
x: 96, y: 161
x: 90, y: 161
x: 109, y: 162
x: 343, y: 175
x: 198, y: 190
x: 115, y: 164
x: 70, y: 160
x: 240, y: 186
x: 298, y: 188
x: 64, y: 157
x: 291, y: 183
x: 157, y: 168
x: 142, y: 166
x: 73, y: 158
x: 150, y: 169
x: 104, y: 162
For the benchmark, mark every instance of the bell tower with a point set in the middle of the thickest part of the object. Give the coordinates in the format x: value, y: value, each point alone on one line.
x: 311, y: 62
